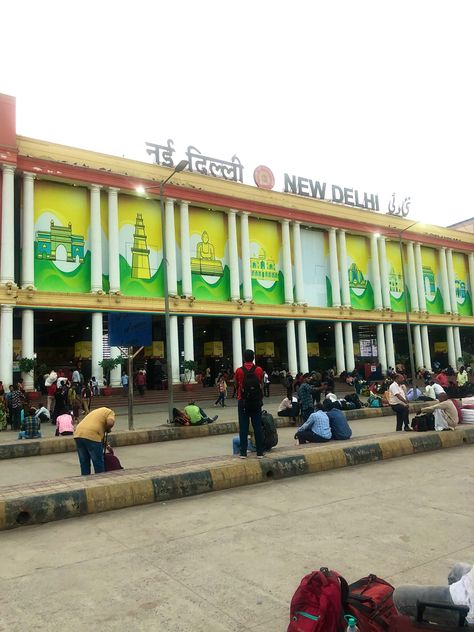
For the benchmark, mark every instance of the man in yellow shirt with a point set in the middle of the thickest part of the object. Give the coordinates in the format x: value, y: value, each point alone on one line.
x: 89, y: 437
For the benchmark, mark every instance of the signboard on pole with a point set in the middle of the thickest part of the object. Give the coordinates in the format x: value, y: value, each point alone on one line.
x: 130, y: 330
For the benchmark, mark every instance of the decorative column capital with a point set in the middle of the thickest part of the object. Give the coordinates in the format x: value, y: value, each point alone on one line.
x: 285, y: 221
x: 244, y: 213
x: 341, y: 231
x: 295, y: 222
x: 170, y: 200
x: 6, y: 309
x: 7, y: 168
x: 28, y: 176
x: 184, y: 203
x: 232, y: 211
x: 332, y: 230
x: 95, y: 187
x: 113, y: 189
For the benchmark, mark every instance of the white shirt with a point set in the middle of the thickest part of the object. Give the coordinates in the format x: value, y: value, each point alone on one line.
x: 438, y: 389
x: 395, y: 389
x: 462, y: 594
x: 76, y: 376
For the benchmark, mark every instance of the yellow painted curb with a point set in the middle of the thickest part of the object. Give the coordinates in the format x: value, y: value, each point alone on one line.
x: 3, y: 524
x: 451, y: 439
x: 236, y: 474
x: 394, y: 447
x: 319, y: 461
x: 115, y: 495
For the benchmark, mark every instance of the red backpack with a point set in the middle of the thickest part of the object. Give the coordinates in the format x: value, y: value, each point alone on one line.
x: 317, y: 605
x: 370, y: 601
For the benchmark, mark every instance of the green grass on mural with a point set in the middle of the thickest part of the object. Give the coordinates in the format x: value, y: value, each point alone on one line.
x: 269, y: 296
x: 466, y: 308
x: 366, y: 301
x: 49, y: 279
x: 435, y: 306
x: 140, y: 287
x: 397, y: 304
x: 204, y: 291
x: 105, y: 283
x: 329, y: 291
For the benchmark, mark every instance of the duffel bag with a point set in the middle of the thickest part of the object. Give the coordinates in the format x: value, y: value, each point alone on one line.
x: 423, y: 422
x: 370, y: 601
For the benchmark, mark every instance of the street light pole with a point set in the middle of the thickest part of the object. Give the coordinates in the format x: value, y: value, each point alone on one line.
x: 179, y: 167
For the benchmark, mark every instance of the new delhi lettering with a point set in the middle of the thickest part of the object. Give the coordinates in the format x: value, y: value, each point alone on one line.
x: 341, y: 195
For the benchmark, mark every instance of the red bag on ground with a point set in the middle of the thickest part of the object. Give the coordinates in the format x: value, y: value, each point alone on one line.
x: 370, y: 601
x: 317, y: 605
x: 111, y: 461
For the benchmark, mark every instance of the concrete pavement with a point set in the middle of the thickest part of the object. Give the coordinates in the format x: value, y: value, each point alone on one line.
x: 230, y: 561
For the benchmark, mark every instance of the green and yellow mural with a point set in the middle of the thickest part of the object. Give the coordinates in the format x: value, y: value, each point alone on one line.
x: 140, y: 247
x: 62, y: 255
x: 432, y: 280
x: 358, y: 255
x: 265, y: 261
x: 209, y: 258
x: 463, y: 290
x: 395, y: 276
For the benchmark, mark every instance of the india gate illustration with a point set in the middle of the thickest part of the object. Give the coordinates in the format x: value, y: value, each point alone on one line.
x: 59, y: 243
x: 140, y: 252
x: 205, y: 261
x: 263, y: 268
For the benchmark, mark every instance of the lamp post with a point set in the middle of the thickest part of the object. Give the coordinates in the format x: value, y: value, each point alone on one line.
x: 407, y: 309
x: 179, y: 167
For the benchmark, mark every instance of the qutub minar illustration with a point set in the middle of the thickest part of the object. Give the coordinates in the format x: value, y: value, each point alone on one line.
x: 140, y: 252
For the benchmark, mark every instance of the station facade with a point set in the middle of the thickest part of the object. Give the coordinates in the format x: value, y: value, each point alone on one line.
x: 307, y: 283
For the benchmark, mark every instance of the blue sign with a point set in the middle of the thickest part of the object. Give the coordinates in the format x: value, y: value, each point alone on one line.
x: 130, y: 330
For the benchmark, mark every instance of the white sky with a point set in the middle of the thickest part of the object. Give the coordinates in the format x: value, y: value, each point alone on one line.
x: 375, y: 95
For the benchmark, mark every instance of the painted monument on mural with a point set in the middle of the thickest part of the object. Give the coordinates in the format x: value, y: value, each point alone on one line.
x: 266, y: 261
x: 61, y: 248
x: 358, y: 271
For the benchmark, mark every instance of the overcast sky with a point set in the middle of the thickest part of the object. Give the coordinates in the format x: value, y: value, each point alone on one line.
x: 374, y: 95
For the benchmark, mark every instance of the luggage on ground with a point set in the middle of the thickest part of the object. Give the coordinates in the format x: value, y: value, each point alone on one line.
x: 423, y: 422
x: 317, y: 605
x: 402, y: 623
x: 270, y: 434
x: 111, y: 462
x: 370, y: 601
x: 354, y: 398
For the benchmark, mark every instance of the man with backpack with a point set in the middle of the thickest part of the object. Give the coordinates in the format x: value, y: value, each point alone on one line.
x: 249, y: 379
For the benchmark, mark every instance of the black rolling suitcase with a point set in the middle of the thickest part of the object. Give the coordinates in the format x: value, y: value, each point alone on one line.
x: 402, y: 623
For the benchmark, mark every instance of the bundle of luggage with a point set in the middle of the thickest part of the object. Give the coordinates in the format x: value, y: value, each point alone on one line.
x: 324, y: 602
x: 423, y: 422
x: 348, y: 402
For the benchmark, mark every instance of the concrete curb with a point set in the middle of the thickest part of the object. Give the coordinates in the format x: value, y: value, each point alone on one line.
x: 70, y: 497
x: 55, y: 445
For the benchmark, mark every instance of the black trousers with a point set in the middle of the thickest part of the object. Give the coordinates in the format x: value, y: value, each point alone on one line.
x: 307, y: 436
x: 402, y: 416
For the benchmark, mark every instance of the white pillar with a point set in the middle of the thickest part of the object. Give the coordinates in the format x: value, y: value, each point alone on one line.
x: 411, y: 278
x: 27, y: 345
x: 287, y: 272
x: 374, y: 256
x: 174, y: 346
x: 298, y: 255
x: 419, y: 278
x: 7, y: 252
x: 28, y: 232
x: 346, y: 292
x: 116, y: 373
x: 114, y: 250
x: 171, y: 248
x: 418, y: 347
x: 97, y: 347
x: 236, y: 344
x: 96, y: 240
x: 291, y: 343
x: 233, y: 256
x: 451, y: 281
x: 385, y: 287
x: 333, y: 269
x: 188, y: 341
x: 451, y: 347
x: 6, y: 345
x: 471, y: 279
x: 186, y: 280
x: 302, y: 346
x: 381, y: 350
x: 390, y: 349
x: 444, y: 281
x: 349, y: 347
x: 245, y: 250
x: 457, y: 347
x: 425, y: 343
x: 249, y: 339
x: 339, y: 344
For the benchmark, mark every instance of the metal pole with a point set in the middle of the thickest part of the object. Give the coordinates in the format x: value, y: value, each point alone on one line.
x: 407, y: 313
x: 167, y: 304
x: 130, y: 389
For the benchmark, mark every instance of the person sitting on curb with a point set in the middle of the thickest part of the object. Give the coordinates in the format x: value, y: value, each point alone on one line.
x: 316, y: 428
x: 251, y: 443
x: 197, y: 416
x: 445, y: 413
x: 289, y: 407
x: 459, y: 592
x: 340, y: 429
x: 30, y: 426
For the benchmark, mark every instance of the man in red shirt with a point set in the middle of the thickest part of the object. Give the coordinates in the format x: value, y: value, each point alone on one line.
x: 248, y: 380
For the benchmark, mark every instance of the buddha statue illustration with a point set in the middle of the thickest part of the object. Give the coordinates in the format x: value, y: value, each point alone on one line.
x: 205, y: 261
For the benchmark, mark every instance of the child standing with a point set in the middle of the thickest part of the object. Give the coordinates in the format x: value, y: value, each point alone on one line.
x: 221, y: 392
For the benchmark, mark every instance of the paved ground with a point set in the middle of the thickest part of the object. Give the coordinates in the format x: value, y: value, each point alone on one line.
x: 52, y: 466
x: 230, y: 561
